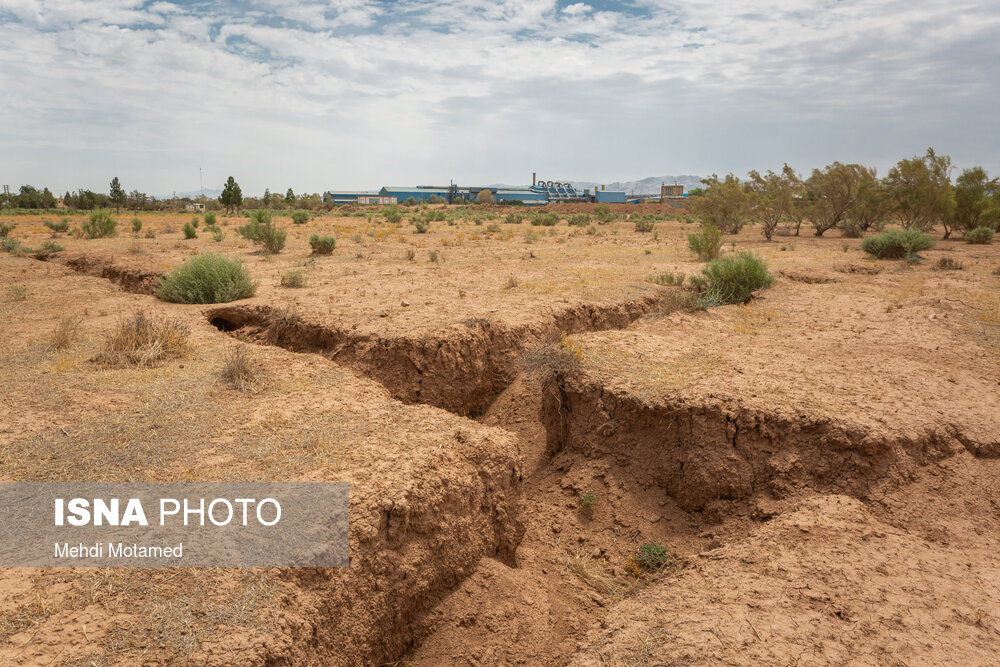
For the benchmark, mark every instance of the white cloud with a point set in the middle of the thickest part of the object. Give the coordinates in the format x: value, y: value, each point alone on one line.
x: 355, y: 92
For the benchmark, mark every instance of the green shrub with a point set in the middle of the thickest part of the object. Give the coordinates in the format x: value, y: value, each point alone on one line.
x: 51, y: 246
x: 644, y: 225
x: 603, y: 213
x: 979, y: 235
x: 100, y: 225
x: 732, y: 279
x: 55, y: 227
x: 262, y: 231
x: 586, y: 501
x: 897, y: 244
x: 136, y: 227
x: 210, y: 218
x: 189, y: 231
x: 578, y: 220
x: 195, y: 221
x: 218, y: 235
x: 652, y: 555
x: 13, y: 246
x: 207, y: 278
x: 706, y: 243
x: 6, y: 229
x: 294, y: 278
x: 514, y: 219
x: 432, y: 255
x: 300, y: 217
x: 667, y: 278
x: 150, y: 234
x: 545, y: 220
x: 420, y: 226
x: 322, y: 245
x: 392, y: 214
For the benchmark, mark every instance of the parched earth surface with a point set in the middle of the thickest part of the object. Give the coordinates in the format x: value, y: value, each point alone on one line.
x: 518, y: 410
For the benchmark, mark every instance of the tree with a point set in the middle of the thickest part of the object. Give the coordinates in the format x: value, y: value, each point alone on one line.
x: 920, y: 191
x: 116, y: 195
x: 873, y: 206
x: 232, y: 196
x: 484, y: 197
x: 726, y: 204
x: 289, y: 197
x: 975, y: 200
x: 267, y: 198
x: 774, y: 198
x: 832, y: 194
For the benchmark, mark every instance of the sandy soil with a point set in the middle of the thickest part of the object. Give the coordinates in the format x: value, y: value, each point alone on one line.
x: 820, y: 464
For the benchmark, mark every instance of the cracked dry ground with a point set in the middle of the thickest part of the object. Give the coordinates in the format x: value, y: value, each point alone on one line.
x: 821, y: 464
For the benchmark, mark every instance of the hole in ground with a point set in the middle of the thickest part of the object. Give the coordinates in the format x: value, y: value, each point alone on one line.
x: 222, y: 324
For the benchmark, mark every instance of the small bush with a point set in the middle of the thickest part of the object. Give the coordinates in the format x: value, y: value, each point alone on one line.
x: 667, y: 278
x: 262, y: 231
x: 7, y: 228
x: 644, y: 225
x: 218, y: 236
x: 578, y: 220
x: 189, y: 231
x: 13, y: 246
x: 136, y: 227
x: 17, y: 292
x: 706, y: 243
x: 150, y: 234
x: 732, y: 279
x: 294, y: 278
x: 652, y: 556
x: 545, y: 220
x: 51, y: 247
x: 586, y: 501
x: 144, y: 341
x: 100, y: 225
x: 300, y: 217
x: 591, y: 231
x: 322, y: 245
x: 979, y: 235
x: 210, y: 218
x: 207, y: 278
x: 420, y: 226
x: 240, y: 370
x: 411, y: 254
x: 511, y: 283
x: 603, y: 213
x: 392, y: 214
x: 194, y: 222
x: 432, y: 255
x: 514, y: 219
x: 56, y: 228
x: 948, y: 264
x: 897, y: 244
x: 494, y: 228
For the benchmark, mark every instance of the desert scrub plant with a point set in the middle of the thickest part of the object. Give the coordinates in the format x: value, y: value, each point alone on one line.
x: 294, y: 278
x: 511, y: 283
x: 300, y: 217
x: 544, y: 220
x: 578, y: 220
x: 218, y: 236
x: 585, y: 501
x: 50, y: 248
x: 420, y: 226
x: 561, y: 355
x: 262, y: 231
x: 322, y: 245
x: 17, y: 292
x: 948, y: 264
x: 241, y: 370
x: 99, y: 225
x: 66, y: 332
x: 432, y: 255
x: 667, y: 278
x: 210, y: 218
x: 411, y: 254
x: 189, y: 231
x: 392, y: 214
x: 645, y: 224
x: 136, y: 227
x: 652, y: 556
x: 207, y: 278
x: 979, y: 235
x: 706, y: 243
x: 514, y: 219
x: 6, y: 228
x: 150, y: 234
x: 56, y: 228
x: 732, y: 279
x: 897, y: 244
x: 603, y: 213
x: 143, y: 341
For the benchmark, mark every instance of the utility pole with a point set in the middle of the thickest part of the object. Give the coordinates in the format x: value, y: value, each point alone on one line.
x: 201, y: 183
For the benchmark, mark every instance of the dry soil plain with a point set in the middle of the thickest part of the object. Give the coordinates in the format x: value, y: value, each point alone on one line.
x: 821, y: 464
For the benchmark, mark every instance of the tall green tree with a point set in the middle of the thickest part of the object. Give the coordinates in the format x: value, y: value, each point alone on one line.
x: 873, y: 207
x: 832, y: 194
x: 921, y: 192
x: 289, y: 197
x: 232, y: 196
x: 267, y: 198
x: 116, y: 195
x: 976, y: 200
x: 726, y: 203
x: 774, y: 198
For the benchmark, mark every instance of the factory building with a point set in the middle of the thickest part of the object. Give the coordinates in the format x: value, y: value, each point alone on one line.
x: 363, y: 198
x: 417, y: 194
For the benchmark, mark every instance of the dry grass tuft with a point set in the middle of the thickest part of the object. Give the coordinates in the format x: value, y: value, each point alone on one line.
x: 66, y: 333
x: 144, y: 342
x: 17, y: 292
x: 241, y: 370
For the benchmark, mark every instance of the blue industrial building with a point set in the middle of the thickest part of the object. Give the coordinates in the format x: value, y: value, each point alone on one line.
x: 609, y: 197
x: 417, y: 194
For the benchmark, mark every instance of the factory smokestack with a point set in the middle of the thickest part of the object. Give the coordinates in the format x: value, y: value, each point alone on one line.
x: 534, y: 175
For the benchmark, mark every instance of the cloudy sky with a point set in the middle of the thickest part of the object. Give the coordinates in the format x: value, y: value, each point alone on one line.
x: 362, y: 93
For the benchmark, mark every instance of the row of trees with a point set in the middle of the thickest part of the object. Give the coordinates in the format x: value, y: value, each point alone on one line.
x: 917, y: 193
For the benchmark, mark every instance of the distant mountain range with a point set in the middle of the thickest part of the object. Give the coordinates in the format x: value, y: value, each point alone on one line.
x: 643, y: 186
x: 194, y: 194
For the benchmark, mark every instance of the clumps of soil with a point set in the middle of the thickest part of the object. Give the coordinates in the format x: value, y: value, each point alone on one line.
x: 144, y: 341
x: 856, y: 268
x: 136, y: 280
x: 808, y: 277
